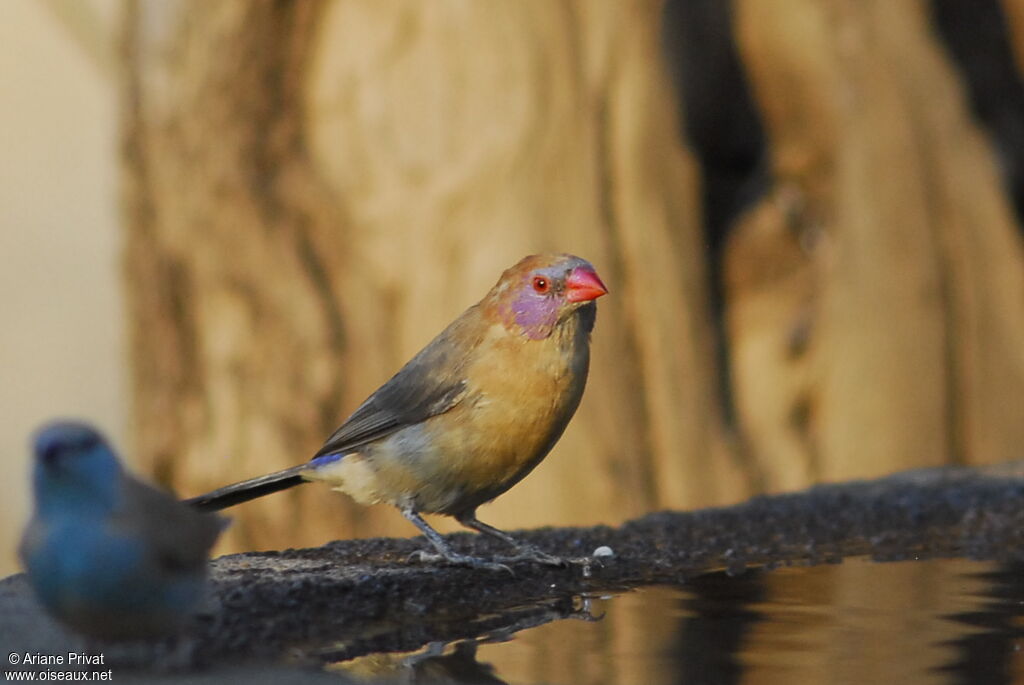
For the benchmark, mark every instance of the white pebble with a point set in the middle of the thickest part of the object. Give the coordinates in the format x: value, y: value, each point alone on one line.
x: 603, y: 552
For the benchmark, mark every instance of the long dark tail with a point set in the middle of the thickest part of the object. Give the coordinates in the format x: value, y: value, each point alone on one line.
x: 230, y: 495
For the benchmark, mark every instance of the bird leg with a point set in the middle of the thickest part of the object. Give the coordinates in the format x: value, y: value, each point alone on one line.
x: 527, y: 552
x: 444, y: 550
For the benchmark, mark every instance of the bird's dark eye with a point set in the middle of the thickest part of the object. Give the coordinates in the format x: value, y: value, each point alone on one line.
x: 541, y: 284
x: 51, y: 453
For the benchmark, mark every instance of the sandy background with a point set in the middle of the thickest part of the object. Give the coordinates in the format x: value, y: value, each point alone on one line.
x: 61, y: 342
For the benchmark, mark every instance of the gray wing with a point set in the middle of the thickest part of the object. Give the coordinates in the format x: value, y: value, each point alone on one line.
x: 431, y: 383
x: 180, y: 536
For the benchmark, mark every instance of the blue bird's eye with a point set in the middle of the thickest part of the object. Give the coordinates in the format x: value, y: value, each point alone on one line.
x: 51, y: 453
x: 541, y: 284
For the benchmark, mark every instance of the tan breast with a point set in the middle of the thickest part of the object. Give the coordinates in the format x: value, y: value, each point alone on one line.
x: 514, y: 410
x: 520, y: 394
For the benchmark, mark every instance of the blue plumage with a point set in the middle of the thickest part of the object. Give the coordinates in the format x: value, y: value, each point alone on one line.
x: 105, y: 553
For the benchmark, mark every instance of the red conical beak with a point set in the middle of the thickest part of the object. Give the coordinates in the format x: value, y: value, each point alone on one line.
x: 583, y: 285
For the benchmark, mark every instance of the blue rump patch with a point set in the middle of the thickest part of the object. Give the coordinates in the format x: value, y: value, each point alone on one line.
x: 326, y: 459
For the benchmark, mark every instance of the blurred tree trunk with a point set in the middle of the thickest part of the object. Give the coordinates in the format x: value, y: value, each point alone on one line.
x: 314, y: 189
x: 875, y: 293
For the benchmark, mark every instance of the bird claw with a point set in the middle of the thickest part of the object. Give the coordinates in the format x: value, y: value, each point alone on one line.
x: 539, y: 556
x: 586, y: 564
x: 531, y: 553
x: 456, y: 559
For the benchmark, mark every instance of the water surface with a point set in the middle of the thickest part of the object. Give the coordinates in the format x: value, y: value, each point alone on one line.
x: 947, y: 621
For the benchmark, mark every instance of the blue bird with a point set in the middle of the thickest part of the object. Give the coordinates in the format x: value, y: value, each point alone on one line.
x: 106, y: 554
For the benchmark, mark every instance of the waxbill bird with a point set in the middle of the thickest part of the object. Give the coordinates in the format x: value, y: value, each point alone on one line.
x: 470, y: 415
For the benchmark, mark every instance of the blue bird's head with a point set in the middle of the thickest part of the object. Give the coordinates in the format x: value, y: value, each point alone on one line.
x: 75, y: 470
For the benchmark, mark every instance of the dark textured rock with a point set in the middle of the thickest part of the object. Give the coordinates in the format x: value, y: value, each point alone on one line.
x: 348, y: 598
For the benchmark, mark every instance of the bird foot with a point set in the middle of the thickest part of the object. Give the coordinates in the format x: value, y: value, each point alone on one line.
x: 539, y: 556
x: 457, y: 559
x: 586, y: 564
x: 531, y: 553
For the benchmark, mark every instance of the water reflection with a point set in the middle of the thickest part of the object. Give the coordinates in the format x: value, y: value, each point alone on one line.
x: 719, y: 618
x: 437, y: 663
x: 991, y: 652
x: 913, y: 622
